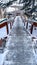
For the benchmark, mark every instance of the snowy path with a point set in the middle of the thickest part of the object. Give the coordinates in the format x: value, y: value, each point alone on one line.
x: 3, y: 34
x: 19, y: 46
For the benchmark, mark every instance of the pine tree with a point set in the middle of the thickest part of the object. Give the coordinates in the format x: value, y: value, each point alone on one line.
x: 27, y: 6
x: 7, y: 4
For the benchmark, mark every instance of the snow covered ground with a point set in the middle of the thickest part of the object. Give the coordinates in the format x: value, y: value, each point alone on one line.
x: 19, y: 47
x: 2, y: 55
x: 3, y: 32
x: 1, y: 58
x: 34, y: 33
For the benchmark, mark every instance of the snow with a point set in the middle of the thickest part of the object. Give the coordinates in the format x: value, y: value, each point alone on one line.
x: 18, y: 19
x: 34, y: 33
x: 9, y: 9
x: 19, y: 46
x: 2, y: 34
x: 2, y: 55
x: 1, y: 59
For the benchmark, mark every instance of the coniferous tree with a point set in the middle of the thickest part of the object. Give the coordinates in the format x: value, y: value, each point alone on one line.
x: 7, y: 4
x: 27, y: 6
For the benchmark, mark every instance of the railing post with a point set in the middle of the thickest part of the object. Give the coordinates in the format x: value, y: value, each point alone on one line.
x: 31, y: 29
x: 27, y: 25
x: 7, y: 28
